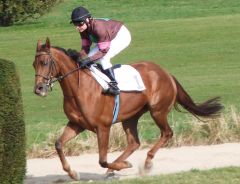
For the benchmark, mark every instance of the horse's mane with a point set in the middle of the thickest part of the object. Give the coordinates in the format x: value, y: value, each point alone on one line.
x: 73, y: 54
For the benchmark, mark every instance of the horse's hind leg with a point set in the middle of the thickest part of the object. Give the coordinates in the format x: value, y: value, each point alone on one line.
x: 130, y: 129
x: 166, y: 133
x: 70, y: 131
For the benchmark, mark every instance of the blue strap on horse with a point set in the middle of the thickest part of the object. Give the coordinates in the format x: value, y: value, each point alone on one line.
x: 116, y: 108
x: 116, y: 98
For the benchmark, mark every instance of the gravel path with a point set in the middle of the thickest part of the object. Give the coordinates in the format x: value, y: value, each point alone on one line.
x: 167, y: 160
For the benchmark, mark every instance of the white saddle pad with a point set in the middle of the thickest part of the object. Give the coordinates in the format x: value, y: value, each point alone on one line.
x: 127, y: 77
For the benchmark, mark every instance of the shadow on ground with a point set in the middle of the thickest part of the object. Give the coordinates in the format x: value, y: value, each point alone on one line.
x: 60, y: 179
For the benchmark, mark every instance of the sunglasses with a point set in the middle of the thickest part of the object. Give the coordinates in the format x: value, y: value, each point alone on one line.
x: 78, y: 24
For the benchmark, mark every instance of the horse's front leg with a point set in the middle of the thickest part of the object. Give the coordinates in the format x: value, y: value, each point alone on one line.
x: 130, y: 129
x: 103, y: 140
x: 70, y: 131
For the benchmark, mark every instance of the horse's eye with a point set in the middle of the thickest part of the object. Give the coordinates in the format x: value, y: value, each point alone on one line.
x: 44, y: 63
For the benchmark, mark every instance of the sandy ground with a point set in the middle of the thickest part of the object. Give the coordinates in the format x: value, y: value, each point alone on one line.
x: 169, y: 160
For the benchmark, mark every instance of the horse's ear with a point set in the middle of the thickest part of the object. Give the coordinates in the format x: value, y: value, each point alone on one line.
x: 48, y: 45
x: 39, y: 45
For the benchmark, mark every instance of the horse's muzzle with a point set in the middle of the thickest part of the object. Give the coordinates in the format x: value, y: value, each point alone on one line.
x: 41, y: 89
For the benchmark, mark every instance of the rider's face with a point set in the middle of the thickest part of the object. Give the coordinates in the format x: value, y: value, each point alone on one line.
x: 80, y: 26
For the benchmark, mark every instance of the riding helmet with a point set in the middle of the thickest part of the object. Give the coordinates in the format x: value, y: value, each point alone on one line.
x: 80, y: 14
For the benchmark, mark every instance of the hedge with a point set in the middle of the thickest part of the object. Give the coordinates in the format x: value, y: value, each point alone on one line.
x: 12, y: 126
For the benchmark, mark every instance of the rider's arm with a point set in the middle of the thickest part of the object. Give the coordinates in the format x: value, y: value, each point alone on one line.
x: 103, y: 41
x: 86, y: 44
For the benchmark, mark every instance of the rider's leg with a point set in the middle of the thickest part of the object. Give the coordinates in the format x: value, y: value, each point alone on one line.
x: 113, y: 88
x: 119, y: 43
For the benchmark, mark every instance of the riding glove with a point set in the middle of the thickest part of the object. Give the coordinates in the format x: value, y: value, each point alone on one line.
x: 85, y: 62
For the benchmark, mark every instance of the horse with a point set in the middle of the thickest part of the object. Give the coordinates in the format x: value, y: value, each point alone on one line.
x: 87, y: 108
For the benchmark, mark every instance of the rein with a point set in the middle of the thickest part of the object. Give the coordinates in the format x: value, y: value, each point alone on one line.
x: 59, y: 78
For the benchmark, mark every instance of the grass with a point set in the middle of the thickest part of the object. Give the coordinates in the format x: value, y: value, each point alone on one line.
x: 230, y: 175
x: 197, y: 41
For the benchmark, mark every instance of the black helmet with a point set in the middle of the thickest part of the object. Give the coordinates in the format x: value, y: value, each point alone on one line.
x: 80, y: 14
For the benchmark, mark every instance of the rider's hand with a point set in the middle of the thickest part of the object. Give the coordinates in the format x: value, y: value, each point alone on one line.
x: 85, y: 62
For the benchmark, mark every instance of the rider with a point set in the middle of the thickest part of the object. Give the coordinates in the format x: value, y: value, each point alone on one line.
x: 110, y: 38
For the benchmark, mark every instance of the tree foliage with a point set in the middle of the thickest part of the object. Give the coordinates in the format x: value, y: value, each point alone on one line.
x: 12, y: 11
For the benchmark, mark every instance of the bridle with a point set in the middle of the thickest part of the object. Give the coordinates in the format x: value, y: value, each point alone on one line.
x: 49, y: 77
x: 52, y: 64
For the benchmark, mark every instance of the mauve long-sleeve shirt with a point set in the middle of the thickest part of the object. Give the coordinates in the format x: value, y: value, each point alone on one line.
x: 101, y: 32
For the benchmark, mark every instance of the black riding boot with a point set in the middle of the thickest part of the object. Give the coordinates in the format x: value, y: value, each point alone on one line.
x: 113, y: 88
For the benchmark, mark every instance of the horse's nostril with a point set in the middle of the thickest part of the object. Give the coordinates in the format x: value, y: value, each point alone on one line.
x: 40, y: 88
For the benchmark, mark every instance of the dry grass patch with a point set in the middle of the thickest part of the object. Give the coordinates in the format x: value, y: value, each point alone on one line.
x: 79, y: 144
x: 214, y: 131
x: 193, y: 132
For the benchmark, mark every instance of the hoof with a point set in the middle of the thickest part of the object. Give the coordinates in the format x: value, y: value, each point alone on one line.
x: 145, y: 168
x: 148, y: 166
x: 128, y: 164
x: 74, y: 175
x: 111, y: 176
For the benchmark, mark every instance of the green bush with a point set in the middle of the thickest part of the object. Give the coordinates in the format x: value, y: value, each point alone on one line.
x: 12, y: 11
x: 12, y: 127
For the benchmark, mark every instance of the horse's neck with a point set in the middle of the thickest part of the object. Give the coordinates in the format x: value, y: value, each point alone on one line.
x: 84, y: 92
x: 73, y: 82
x: 65, y: 66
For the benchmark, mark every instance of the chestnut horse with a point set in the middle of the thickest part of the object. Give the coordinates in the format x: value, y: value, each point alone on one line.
x: 87, y: 108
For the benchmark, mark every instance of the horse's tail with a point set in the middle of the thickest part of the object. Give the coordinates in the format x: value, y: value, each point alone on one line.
x: 209, y: 108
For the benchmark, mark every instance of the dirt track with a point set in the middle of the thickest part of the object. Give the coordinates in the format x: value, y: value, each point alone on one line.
x: 46, y: 171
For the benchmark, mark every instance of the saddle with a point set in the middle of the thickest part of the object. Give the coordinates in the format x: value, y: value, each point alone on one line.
x: 127, y: 77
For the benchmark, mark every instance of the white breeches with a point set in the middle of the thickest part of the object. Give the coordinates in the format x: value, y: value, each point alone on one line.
x: 120, y: 42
